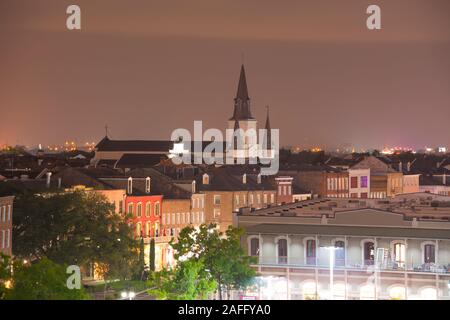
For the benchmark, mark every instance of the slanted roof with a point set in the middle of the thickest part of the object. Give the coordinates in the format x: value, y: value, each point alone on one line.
x: 139, y: 160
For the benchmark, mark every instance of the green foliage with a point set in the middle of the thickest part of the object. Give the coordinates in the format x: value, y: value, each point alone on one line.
x: 43, y: 280
x: 5, y: 274
x: 222, y: 255
x: 74, y: 228
x: 188, y: 281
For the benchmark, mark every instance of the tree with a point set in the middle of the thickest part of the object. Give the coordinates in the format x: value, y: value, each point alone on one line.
x: 74, y: 228
x: 221, y: 253
x: 5, y: 275
x: 188, y: 281
x: 141, y: 261
x: 43, y: 280
x: 152, y: 255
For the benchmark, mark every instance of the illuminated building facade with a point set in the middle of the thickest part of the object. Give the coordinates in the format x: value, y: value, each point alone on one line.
x: 351, y: 249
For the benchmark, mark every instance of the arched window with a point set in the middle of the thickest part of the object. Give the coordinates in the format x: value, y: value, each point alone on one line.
x: 130, y: 185
x: 205, y: 178
x: 282, y: 250
x: 157, y: 208
x: 399, y: 253
x: 138, y: 229
x: 310, y: 252
x: 130, y: 208
x: 156, y: 229
x: 139, y: 210
x: 428, y: 252
x: 147, y: 229
x: 254, y: 247
x: 339, y: 253
x: 148, y: 209
x: 368, y: 248
x: 397, y: 292
x: 147, y: 185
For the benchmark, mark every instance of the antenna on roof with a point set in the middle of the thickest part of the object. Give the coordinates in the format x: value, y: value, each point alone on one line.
x: 106, y: 130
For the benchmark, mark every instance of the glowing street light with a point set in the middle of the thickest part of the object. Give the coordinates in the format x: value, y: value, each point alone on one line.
x: 130, y: 295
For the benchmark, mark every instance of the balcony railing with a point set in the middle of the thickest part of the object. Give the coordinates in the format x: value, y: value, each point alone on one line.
x: 390, y: 265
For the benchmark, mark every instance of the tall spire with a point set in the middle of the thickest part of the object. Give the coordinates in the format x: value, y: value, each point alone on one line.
x: 242, y: 100
x: 267, y: 138
x: 242, y: 92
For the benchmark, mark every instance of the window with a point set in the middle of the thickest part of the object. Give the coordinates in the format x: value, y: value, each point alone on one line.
x: 205, y: 179
x: 3, y: 239
x: 163, y: 218
x: 399, y: 254
x: 364, y: 195
x: 9, y: 212
x: 157, y: 209
x: 147, y: 185
x: 237, y: 199
x: 130, y: 208
x: 178, y: 218
x: 272, y: 198
x: 217, y: 199
x: 250, y: 199
x: 202, y: 217
x: 254, y: 247
x: 139, y: 210
x: 354, y: 182
x: 282, y: 251
x: 173, y: 218
x: 147, y: 229
x: 364, y: 182
x: 289, y: 190
x: 311, y: 252
x: 265, y: 197
x: 138, y: 229
x: 429, y: 253
x: 130, y: 185
x: 258, y: 198
x: 216, y: 213
x: 120, y: 206
x: 339, y: 253
x: 148, y: 208
x: 369, y: 253
x: 183, y: 218
x: 156, y: 229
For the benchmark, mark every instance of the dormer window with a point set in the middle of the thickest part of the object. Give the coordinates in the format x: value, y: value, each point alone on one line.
x: 130, y: 185
x: 244, y: 178
x: 258, y: 178
x: 147, y: 184
x: 193, y: 186
x: 205, y: 178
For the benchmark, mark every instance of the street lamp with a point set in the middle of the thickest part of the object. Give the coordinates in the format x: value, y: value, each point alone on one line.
x: 130, y: 295
x: 331, y: 250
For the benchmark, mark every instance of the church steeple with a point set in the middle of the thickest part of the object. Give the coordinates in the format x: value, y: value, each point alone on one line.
x: 242, y: 100
x: 267, y: 140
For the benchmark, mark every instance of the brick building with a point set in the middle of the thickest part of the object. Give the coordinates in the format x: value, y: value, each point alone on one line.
x: 6, y: 216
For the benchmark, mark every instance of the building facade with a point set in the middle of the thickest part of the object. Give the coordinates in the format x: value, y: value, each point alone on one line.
x: 6, y: 217
x: 355, y: 252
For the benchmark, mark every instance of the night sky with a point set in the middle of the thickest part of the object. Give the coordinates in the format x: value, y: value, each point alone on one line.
x: 148, y: 67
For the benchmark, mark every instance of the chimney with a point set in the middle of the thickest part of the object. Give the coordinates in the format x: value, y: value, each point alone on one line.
x: 48, y: 174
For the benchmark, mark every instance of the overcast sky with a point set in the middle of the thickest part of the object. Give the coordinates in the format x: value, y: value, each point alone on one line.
x: 148, y: 67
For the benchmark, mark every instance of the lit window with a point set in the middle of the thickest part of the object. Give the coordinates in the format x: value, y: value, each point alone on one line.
x: 399, y: 254
x: 157, y: 209
x: 139, y: 210
x: 148, y: 207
